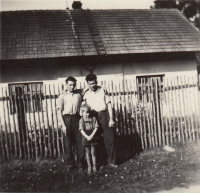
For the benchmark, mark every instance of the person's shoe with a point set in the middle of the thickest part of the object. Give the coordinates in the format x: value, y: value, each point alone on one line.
x: 94, y: 169
x: 113, y: 165
x: 89, y: 171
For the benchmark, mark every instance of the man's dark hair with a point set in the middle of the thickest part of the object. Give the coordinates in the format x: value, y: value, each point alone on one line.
x: 91, y: 77
x: 70, y: 78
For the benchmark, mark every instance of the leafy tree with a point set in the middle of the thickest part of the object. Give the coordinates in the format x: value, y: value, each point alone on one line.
x: 189, y: 8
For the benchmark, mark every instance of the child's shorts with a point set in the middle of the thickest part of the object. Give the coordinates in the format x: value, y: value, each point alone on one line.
x: 92, y: 142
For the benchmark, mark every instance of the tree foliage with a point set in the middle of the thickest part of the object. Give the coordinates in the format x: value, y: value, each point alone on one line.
x: 187, y: 7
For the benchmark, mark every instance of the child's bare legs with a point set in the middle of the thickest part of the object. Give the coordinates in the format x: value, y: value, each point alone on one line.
x: 91, y: 152
x: 89, y: 161
x: 94, y: 160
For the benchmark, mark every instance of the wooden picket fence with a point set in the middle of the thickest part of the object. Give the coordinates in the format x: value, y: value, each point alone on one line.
x: 155, y: 111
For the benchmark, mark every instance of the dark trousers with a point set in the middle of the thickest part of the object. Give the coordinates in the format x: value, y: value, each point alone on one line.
x: 108, y: 135
x: 73, y: 137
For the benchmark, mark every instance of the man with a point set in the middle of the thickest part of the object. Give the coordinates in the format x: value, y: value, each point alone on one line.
x: 99, y: 101
x: 68, y: 111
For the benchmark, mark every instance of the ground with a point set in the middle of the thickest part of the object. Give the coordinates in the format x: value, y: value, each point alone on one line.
x: 153, y: 170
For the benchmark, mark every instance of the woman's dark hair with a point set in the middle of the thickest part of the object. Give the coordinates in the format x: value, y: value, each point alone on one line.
x: 70, y: 78
x: 91, y: 77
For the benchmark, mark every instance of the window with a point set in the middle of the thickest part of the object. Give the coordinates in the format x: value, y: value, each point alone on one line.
x: 26, y: 97
x: 145, y: 83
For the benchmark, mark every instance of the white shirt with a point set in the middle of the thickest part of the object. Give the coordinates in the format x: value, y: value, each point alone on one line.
x: 97, y: 100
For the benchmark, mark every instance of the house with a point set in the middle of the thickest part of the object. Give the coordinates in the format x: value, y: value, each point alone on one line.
x: 43, y: 47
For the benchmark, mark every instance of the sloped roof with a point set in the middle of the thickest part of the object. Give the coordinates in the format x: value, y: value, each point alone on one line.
x: 63, y: 33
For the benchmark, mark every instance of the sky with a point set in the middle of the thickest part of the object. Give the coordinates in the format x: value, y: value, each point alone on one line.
x: 12, y: 5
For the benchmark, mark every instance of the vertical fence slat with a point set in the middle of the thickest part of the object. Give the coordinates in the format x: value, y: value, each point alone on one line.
x: 29, y: 116
x: 187, y: 110
x: 190, y: 103
x: 47, y: 117
x: 196, y: 107
x: 140, y: 116
x: 134, y: 106
x: 6, y: 133
x: 9, y: 126
x: 181, y: 114
x: 176, y: 90
x: 57, y: 135
x: 62, y: 138
x: 150, y: 113
x: 143, y: 89
x: 43, y: 128
x: 184, y: 113
x: 172, y: 110
x: 158, y: 110
x: 160, y: 91
x: 34, y: 120
x: 51, y: 109
x: 26, y: 139
x: 14, y: 124
x: 2, y: 141
x: 39, y: 124
x: 169, y: 110
x: 154, y: 111
x: 20, y: 99
x: 165, y: 119
x: 18, y: 122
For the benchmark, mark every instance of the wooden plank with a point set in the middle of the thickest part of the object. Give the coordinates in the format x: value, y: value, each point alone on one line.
x: 39, y: 123
x: 2, y: 142
x: 57, y: 134
x: 6, y: 133
x: 176, y: 99
x: 190, y: 103
x: 181, y: 114
x: 14, y: 123
x: 140, y: 116
x: 34, y: 121
x: 26, y: 138
x: 196, y: 101
x: 19, y: 138
x: 187, y: 110
x: 21, y: 121
x: 154, y: 113
x: 172, y: 111
x: 150, y: 115
x: 30, y: 125
x: 9, y: 126
x: 169, y: 110
x: 158, y: 111
x: 184, y: 110
x: 43, y: 128
x: 62, y: 138
x: 52, y: 120
x: 47, y: 117
x: 160, y: 93
x: 143, y: 112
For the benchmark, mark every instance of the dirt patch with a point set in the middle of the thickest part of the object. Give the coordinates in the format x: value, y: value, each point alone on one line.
x: 151, y: 171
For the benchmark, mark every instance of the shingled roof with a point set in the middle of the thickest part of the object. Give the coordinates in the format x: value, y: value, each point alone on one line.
x: 63, y: 33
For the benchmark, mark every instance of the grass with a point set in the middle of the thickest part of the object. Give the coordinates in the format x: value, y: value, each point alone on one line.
x: 151, y: 171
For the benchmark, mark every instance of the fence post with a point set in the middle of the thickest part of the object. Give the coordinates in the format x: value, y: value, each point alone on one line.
x: 12, y: 112
x: 6, y: 133
x: 57, y: 135
x: 49, y: 137
x: 35, y: 133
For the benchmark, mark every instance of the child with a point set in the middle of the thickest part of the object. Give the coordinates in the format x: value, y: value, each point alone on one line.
x: 88, y: 127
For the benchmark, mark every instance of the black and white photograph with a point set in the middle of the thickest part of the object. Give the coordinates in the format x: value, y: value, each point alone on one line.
x: 100, y: 96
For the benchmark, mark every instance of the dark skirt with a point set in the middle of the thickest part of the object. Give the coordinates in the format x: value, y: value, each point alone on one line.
x: 92, y: 142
